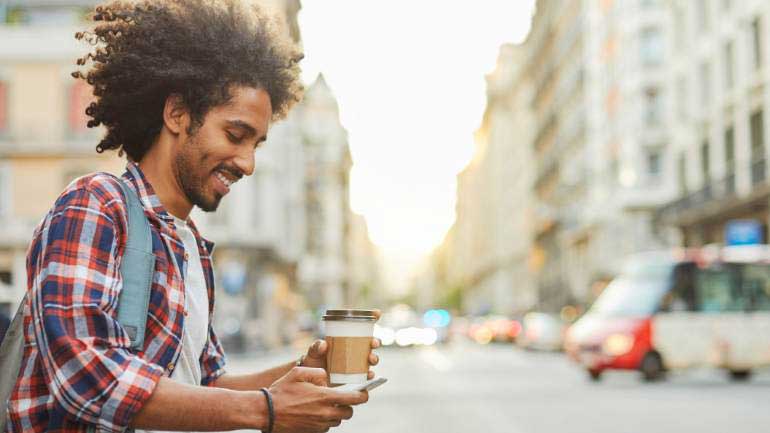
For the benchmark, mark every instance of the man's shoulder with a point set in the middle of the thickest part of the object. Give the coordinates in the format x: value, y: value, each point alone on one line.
x: 99, y: 183
x: 95, y: 190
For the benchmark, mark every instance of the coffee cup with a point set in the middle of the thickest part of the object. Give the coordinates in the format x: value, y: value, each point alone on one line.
x: 348, y: 335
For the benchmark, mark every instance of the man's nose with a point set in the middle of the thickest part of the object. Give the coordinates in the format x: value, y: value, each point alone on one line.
x: 245, y: 163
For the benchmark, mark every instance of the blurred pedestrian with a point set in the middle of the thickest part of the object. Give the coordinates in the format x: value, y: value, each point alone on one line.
x: 186, y: 89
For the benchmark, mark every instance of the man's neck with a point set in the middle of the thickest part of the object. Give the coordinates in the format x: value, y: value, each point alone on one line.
x: 157, y: 166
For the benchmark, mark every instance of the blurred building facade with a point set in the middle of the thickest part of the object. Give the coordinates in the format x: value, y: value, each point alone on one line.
x: 366, y: 283
x: 44, y: 141
x: 286, y: 238
x: 484, y: 256
x: 720, y: 74
x: 586, y: 163
x: 647, y: 130
x: 602, y: 154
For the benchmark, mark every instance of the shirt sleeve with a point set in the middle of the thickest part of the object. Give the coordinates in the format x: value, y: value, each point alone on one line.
x: 212, y: 359
x: 91, y: 374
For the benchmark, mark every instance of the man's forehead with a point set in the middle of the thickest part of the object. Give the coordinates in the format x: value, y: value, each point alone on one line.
x: 248, y: 106
x: 247, y: 95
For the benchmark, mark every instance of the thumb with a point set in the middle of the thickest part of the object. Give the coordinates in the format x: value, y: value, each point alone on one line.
x: 317, y: 349
x: 316, y: 376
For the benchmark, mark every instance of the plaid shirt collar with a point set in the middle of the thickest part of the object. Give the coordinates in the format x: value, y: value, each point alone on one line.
x: 151, y: 202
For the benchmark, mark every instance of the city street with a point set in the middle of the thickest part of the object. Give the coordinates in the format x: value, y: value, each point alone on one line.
x: 500, y: 389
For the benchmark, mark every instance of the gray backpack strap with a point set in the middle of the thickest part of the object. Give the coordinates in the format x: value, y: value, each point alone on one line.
x: 11, y: 352
x: 137, y: 269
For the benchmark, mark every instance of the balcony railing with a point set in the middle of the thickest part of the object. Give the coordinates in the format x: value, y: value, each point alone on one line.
x: 712, y: 191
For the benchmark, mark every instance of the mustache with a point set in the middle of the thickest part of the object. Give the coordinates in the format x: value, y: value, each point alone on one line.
x: 235, y: 172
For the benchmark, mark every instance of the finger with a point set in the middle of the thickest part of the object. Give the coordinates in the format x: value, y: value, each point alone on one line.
x: 377, y: 314
x: 373, y: 359
x: 316, y: 376
x: 317, y: 349
x: 347, y: 398
x: 370, y: 375
x: 330, y: 415
x: 376, y: 343
x: 343, y: 412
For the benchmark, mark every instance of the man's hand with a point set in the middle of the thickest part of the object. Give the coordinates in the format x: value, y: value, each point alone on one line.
x: 304, y: 403
x: 316, y: 354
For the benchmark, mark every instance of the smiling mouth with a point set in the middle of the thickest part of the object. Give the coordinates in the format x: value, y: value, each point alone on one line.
x: 226, y: 178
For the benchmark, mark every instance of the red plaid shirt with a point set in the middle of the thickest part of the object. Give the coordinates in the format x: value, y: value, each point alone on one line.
x: 77, y: 369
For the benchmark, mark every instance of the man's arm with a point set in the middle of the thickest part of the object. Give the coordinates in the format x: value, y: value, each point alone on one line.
x: 176, y: 406
x: 75, y: 286
x: 253, y: 381
x: 302, y: 400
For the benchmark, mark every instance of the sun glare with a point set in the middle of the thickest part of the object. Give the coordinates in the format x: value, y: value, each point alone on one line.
x: 411, y: 91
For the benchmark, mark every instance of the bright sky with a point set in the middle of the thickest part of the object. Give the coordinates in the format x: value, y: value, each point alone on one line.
x: 409, y: 78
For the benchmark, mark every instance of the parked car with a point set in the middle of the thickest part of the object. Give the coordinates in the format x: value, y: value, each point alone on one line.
x: 495, y: 328
x: 542, y: 331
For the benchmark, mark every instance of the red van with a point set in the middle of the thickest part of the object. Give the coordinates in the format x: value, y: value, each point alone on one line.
x: 679, y: 309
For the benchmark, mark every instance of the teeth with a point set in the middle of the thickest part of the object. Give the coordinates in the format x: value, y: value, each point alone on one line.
x: 224, y: 180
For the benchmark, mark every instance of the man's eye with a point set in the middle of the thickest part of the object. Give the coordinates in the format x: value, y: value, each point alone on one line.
x: 233, y: 138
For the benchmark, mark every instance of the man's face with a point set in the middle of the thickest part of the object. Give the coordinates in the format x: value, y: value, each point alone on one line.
x: 221, y: 150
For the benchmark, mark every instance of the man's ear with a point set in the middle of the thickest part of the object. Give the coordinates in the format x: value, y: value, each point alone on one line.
x: 176, y: 117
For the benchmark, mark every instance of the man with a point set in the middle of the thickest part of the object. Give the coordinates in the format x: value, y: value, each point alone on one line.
x: 186, y: 89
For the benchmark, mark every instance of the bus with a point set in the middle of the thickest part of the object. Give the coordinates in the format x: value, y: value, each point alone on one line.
x: 679, y: 309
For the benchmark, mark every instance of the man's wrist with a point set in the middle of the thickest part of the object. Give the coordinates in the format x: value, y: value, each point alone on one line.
x: 252, y: 413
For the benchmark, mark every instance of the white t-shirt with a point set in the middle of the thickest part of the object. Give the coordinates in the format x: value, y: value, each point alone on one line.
x: 196, y: 323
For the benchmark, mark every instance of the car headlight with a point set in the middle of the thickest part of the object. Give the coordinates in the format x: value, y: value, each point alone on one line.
x: 617, y: 344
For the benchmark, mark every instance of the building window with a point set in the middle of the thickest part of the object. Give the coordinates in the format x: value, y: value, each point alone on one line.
x: 703, y: 15
x: 705, y: 161
x: 5, y: 191
x: 653, y: 109
x: 681, y: 96
x: 757, y: 136
x: 682, y: 173
x: 651, y: 46
x: 654, y: 163
x: 729, y: 65
x: 680, y: 28
x: 705, y: 84
x: 756, y: 40
x: 3, y: 107
x: 79, y: 97
x: 730, y: 150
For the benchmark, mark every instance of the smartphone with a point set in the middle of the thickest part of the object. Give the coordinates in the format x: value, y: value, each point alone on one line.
x: 366, y: 386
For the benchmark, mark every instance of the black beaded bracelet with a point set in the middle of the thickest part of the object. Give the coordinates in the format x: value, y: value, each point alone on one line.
x: 270, y: 410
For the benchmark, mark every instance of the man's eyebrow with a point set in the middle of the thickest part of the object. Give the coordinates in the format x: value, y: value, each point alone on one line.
x: 243, y: 125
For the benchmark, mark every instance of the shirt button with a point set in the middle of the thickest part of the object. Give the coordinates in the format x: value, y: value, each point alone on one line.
x: 170, y: 366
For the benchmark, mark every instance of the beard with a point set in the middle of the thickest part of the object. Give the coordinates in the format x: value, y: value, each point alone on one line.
x: 193, y: 175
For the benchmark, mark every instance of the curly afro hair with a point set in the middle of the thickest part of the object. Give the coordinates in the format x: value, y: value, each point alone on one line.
x: 198, y: 49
